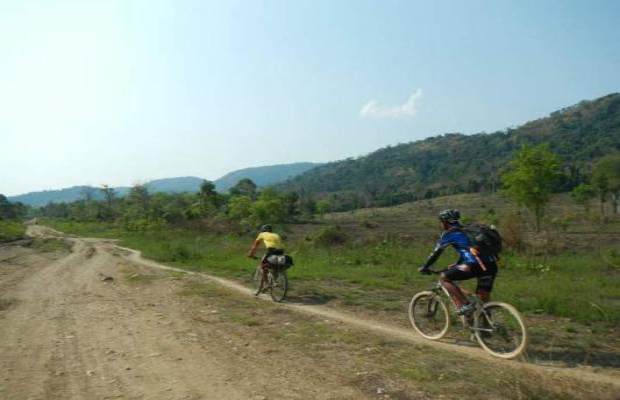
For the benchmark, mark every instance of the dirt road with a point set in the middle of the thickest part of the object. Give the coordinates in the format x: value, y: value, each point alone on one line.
x: 71, y: 330
x: 78, y: 322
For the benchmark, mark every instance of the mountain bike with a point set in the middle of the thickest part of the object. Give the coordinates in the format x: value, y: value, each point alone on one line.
x: 498, y: 327
x: 272, y: 279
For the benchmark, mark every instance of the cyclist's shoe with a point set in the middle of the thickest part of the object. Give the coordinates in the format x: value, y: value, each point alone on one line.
x: 466, y: 309
x: 424, y: 270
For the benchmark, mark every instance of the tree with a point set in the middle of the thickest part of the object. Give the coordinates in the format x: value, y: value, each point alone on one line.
x: 240, y: 209
x: 245, y: 187
x: 291, y: 206
x: 323, y: 206
x: 268, y: 208
x: 209, y: 199
x: 138, y: 201
x: 109, y: 194
x: 532, y: 176
x: 582, y: 195
x: 606, y: 178
x: 6, y: 208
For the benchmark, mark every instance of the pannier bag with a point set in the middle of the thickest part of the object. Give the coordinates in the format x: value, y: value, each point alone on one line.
x: 280, y: 261
x: 486, y: 239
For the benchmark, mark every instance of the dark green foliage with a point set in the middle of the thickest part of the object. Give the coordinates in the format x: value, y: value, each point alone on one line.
x: 10, y: 210
x: 582, y: 194
x: 329, y: 236
x: 245, y: 187
x: 606, y: 178
x: 142, y: 210
x: 456, y: 163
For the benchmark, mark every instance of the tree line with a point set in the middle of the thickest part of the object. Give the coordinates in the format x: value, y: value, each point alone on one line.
x: 243, y: 208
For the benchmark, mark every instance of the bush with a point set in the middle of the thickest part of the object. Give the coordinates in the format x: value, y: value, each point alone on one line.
x: 511, y: 229
x: 331, y: 235
x: 11, y: 231
x: 144, y: 224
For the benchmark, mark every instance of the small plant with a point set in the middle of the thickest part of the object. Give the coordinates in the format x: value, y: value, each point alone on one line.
x: 534, y: 267
x: 561, y: 222
x: 332, y: 235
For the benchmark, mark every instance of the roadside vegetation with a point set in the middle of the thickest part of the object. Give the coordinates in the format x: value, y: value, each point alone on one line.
x: 11, y: 230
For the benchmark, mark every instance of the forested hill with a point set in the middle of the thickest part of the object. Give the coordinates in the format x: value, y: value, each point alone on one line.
x: 456, y: 163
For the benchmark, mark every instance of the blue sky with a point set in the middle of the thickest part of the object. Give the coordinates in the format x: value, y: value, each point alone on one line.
x: 120, y: 92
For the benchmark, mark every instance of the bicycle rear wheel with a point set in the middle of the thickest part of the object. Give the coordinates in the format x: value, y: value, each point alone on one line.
x: 500, y: 330
x: 278, y: 283
x: 429, y: 315
x: 257, y: 281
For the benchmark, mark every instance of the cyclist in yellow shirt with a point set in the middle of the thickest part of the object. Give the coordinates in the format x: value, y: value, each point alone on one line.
x: 272, y: 241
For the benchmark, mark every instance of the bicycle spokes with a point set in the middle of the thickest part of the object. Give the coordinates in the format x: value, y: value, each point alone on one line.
x: 501, y: 332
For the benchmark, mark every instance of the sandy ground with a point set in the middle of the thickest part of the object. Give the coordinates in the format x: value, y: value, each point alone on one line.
x: 72, y: 328
x: 68, y: 333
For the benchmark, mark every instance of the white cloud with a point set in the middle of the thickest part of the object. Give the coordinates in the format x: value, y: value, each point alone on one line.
x: 408, y: 109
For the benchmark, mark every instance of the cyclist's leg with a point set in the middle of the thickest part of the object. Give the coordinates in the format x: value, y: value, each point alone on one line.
x: 458, y: 272
x: 485, y: 282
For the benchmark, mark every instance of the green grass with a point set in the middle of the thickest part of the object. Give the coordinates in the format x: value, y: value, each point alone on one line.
x: 11, y: 230
x: 380, y: 277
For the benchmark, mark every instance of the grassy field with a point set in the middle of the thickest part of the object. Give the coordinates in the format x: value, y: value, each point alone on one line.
x: 366, y: 262
x: 581, y: 284
x: 11, y: 230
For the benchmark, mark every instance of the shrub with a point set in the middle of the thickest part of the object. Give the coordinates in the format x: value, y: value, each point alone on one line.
x: 11, y: 230
x: 512, y: 232
x: 329, y: 236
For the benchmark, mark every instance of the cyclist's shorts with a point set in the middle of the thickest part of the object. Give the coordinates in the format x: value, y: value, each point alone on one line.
x: 463, y: 272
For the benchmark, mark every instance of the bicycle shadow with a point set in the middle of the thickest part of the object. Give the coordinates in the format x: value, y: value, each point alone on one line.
x: 310, y: 299
x: 575, y: 357
x: 565, y: 356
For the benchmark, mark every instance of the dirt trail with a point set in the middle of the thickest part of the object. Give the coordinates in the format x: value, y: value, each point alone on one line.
x: 69, y: 329
x: 67, y: 332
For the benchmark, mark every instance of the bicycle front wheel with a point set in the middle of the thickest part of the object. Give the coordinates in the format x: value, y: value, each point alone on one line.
x: 500, y: 330
x: 279, y: 284
x: 429, y: 315
x: 257, y: 281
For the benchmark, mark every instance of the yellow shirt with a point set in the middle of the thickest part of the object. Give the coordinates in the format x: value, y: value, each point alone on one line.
x: 271, y: 240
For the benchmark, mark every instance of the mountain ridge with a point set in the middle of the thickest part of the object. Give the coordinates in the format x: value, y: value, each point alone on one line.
x: 457, y: 163
x: 262, y: 176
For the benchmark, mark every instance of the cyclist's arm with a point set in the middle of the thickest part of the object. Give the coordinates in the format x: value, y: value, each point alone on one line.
x: 254, y: 247
x: 445, y: 241
x: 433, y: 256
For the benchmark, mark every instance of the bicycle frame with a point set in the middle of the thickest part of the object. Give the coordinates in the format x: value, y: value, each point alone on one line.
x: 467, y: 321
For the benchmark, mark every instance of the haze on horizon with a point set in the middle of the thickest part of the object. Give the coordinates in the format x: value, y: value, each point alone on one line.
x: 121, y: 92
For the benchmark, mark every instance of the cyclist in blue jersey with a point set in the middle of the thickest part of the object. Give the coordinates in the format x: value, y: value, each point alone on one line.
x: 469, y: 265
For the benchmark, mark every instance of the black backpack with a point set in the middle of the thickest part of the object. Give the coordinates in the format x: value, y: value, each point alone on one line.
x: 484, y: 238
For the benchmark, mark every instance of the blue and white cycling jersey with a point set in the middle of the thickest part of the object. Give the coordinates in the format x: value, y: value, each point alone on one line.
x: 456, y: 238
